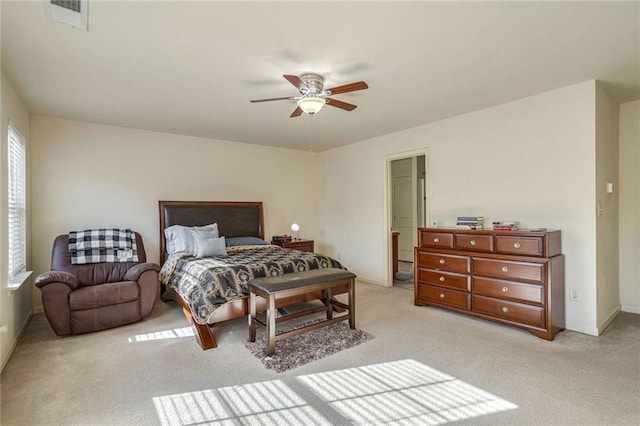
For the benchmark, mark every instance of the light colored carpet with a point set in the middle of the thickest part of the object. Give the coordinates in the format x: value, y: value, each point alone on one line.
x: 153, y: 372
x: 404, y: 277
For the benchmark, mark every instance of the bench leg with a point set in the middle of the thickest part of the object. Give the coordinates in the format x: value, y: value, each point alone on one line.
x: 352, y: 304
x: 328, y: 296
x: 271, y: 324
x: 252, y: 315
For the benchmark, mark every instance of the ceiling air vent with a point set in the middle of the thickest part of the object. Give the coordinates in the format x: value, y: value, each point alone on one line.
x: 69, y: 12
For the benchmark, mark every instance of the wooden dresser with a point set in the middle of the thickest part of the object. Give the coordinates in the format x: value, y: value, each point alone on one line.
x: 511, y: 277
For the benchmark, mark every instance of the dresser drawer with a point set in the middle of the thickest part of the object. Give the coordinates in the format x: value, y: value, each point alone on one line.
x: 436, y: 239
x: 474, y: 242
x: 301, y: 245
x: 524, y: 246
x: 443, y: 262
x: 498, y: 289
x: 442, y: 296
x: 444, y: 279
x: 511, y: 311
x: 508, y: 270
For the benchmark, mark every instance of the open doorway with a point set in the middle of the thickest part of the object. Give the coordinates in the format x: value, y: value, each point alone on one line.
x: 406, y: 200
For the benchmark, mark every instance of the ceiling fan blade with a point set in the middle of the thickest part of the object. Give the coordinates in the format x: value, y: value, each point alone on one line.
x: 296, y: 113
x: 295, y: 80
x: 272, y: 99
x: 342, y: 105
x: 351, y: 87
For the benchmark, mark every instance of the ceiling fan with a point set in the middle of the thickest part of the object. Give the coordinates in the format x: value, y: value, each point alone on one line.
x: 313, y: 96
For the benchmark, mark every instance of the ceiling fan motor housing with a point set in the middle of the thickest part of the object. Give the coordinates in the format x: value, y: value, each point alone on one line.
x: 313, y: 82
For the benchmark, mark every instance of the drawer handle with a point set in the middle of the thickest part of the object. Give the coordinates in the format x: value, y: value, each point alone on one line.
x: 472, y: 242
x: 436, y: 240
x: 441, y: 278
x: 504, y: 289
x: 441, y: 295
x: 505, y: 309
x: 505, y: 269
x: 516, y: 244
x: 442, y: 261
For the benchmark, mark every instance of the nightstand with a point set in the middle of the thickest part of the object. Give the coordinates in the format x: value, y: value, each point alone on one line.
x: 302, y: 245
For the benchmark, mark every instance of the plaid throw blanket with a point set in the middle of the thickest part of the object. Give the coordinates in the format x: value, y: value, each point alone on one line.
x: 102, y: 245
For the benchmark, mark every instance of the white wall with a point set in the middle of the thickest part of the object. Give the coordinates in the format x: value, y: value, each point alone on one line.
x: 87, y: 176
x: 531, y: 160
x: 15, y: 306
x: 607, y: 124
x: 629, y: 194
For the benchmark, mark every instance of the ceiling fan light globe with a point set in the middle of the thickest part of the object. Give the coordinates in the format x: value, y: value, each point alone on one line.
x: 311, y: 105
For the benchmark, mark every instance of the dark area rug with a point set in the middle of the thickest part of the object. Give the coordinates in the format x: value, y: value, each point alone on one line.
x: 404, y: 275
x: 306, y: 347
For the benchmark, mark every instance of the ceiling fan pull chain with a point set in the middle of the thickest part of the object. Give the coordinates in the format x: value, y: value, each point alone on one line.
x: 310, y: 133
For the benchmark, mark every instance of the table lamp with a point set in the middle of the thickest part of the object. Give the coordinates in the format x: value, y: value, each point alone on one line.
x: 296, y: 228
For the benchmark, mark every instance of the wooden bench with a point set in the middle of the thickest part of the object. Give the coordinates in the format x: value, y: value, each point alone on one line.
x: 280, y: 287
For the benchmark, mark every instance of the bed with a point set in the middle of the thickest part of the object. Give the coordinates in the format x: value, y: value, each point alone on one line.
x: 213, y: 289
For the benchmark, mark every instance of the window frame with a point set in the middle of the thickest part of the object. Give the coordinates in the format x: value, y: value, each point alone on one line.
x: 16, y: 204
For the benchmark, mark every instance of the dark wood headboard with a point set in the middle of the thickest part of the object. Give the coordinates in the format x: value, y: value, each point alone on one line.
x: 234, y: 218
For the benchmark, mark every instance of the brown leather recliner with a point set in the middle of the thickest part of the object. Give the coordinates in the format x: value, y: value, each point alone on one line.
x: 96, y: 296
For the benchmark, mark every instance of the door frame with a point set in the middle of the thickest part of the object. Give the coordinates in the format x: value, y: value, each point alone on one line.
x: 388, y: 203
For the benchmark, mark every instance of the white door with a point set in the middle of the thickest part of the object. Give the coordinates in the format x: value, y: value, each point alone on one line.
x: 403, y: 216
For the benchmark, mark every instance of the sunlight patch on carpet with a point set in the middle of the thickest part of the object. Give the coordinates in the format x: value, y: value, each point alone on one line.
x: 265, y: 403
x: 303, y: 348
x: 164, y: 334
x: 402, y: 392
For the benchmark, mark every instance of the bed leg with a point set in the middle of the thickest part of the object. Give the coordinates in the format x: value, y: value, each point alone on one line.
x: 203, y: 333
x: 204, y: 336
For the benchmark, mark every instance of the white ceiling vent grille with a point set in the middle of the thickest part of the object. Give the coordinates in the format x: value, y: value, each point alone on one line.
x: 69, y: 12
x: 68, y: 4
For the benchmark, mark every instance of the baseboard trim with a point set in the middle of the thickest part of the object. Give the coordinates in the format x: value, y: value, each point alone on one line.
x: 631, y: 309
x: 7, y: 355
x: 38, y: 310
x: 581, y: 328
x: 370, y: 281
x: 608, y: 320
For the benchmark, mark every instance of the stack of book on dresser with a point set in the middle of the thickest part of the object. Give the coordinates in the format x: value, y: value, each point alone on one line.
x: 470, y: 222
x: 505, y: 225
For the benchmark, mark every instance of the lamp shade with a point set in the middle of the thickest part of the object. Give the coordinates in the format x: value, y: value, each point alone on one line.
x: 311, y: 105
x: 296, y: 228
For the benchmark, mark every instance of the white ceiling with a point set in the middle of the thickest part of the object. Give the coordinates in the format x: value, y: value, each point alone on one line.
x: 191, y: 67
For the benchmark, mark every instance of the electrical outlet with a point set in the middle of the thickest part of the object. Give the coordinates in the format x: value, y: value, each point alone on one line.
x: 573, y: 294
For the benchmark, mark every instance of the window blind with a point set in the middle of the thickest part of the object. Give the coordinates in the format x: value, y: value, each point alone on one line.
x: 17, y: 203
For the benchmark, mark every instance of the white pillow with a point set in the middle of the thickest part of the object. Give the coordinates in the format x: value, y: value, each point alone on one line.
x: 172, y: 237
x: 214, y: 228
x: 209, y: 246
x: 180, y: 238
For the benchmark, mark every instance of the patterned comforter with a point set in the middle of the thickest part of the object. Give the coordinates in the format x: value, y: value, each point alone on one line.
x: 206, y: 283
